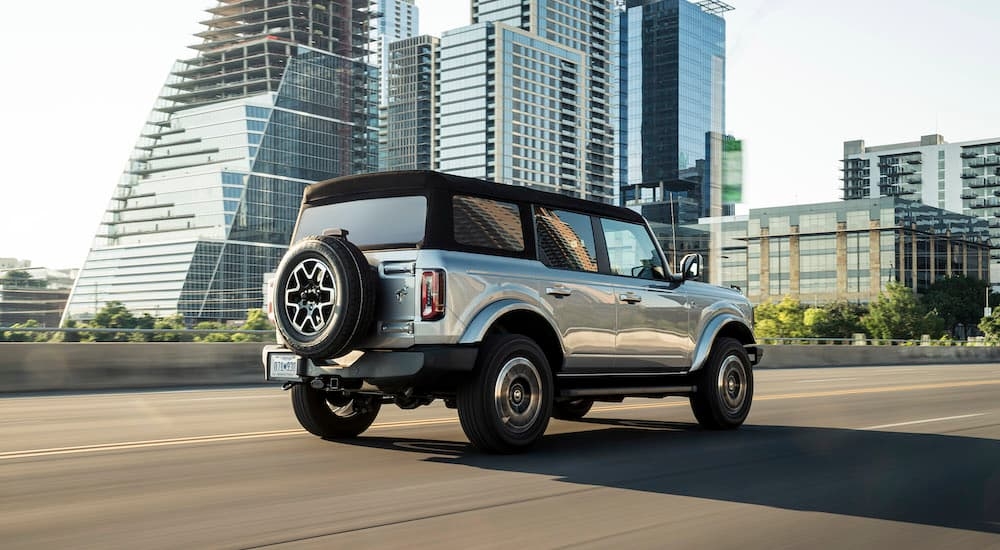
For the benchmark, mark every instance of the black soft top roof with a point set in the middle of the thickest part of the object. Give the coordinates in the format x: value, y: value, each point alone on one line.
x: 382, y: 184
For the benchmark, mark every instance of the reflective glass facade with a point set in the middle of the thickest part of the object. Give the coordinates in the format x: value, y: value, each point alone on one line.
x: 674, y: 74
x: 207, y: 204
x: 410, y: 114
x: 820, y: 253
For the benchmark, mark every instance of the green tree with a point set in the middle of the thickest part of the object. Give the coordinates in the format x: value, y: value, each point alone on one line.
x: 784, y: 319
x: 18, y: 278
x: 991, y: 327
x: 835, y: 320
x: 957, y: 299
x: 214, y: 336
x: 897, y: 315
x: 256, y: 320
x: 25, y: 336
x: 174, y: 323
x: 114, y: 314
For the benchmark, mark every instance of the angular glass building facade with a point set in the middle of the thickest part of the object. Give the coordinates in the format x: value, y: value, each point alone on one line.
x: 526, y: 96
x: 673, y: 70
x: 278, y: 97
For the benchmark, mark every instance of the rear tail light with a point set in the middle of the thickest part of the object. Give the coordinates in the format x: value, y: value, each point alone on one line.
x: 432, y: 295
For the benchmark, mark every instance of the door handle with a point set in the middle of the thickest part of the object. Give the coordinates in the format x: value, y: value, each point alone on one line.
x: 558, y: 291
x: 630, y: 297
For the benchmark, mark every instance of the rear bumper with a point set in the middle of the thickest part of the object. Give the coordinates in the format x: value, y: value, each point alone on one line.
x: 411, y: 366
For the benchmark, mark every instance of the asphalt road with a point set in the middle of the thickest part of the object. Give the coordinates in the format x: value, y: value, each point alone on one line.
x: 874, y: 457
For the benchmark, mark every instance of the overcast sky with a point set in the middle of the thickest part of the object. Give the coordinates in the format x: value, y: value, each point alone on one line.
x: 803, y: 76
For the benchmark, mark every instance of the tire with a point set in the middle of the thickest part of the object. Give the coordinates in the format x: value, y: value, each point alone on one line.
x: 324, y: 297
x: 506, y: 406
x: 574, y: 409
x: 725, y: 387
x: 333, y: 416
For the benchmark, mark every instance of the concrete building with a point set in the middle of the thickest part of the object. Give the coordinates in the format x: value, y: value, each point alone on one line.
x: 672, y: 66
x: 41, y: 296
x: 277, y: 96
x: 849, y: 250
x: 960, y: 177
x: 527, y: 96
x: 410, y: 128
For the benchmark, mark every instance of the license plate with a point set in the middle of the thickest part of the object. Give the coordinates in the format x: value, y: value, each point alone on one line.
x: 283, y: 367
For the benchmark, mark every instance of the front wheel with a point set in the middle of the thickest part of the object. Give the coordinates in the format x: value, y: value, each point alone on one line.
x: 725, y: 387
x: 332, y: 415
x: 506, y: 405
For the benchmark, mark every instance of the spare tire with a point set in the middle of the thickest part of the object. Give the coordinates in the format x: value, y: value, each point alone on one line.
x: 324, y: 297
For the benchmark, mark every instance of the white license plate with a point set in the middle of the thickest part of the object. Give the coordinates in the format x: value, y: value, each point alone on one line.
x: 283, y: 367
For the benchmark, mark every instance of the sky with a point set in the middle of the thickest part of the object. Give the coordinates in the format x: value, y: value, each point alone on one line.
x: 803, y: 76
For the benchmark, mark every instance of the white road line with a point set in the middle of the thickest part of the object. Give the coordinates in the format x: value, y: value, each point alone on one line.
x: 925, y: 421
x: 825, y: 380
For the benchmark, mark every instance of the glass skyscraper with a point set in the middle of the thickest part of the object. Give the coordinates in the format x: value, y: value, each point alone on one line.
x: 673, y: 69
x: 410, y: 114
x: 392, y: 20
x: 278, y: 96
x: 527, y: 96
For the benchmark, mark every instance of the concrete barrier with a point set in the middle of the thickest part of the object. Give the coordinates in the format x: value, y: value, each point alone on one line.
x: 788, y: 356
x: 26, y: 367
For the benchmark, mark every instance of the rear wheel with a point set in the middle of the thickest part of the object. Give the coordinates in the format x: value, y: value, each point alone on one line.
x: 506, y: 406
x: 725, y: 387
x: 574, y: 409
x: 331, y: 415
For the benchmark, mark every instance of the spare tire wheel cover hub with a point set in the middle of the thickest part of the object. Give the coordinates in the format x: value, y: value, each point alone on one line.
x: 310, y: 296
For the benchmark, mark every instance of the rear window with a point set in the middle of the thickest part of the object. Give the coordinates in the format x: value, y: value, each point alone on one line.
x: 486, y: 223
x: 370, y: 223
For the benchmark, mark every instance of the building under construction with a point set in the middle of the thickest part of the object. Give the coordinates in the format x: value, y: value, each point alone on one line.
x: 278, y: 95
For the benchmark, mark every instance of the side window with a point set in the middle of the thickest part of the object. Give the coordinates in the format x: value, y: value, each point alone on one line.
x: 487, y: 223
x: 565, y: 240
x: 630, y: 249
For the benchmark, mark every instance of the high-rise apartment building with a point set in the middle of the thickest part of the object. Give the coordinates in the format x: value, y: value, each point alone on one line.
x: 278, y: 96
x: 392, y: 20
x: 411, y: 105
x: 960, y: 177
x: 527, y: 96
x: 673, y: 62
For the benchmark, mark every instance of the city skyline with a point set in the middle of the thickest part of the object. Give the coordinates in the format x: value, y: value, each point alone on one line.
x: 803, y: 77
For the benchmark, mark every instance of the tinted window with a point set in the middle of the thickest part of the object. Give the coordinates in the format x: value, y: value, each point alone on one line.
x: 565, y: 239
x: 631, y: 251
x: 389, y: 221
x: 487, y: 223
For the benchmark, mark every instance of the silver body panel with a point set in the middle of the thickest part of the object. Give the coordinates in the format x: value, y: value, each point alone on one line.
x: 601, y: 324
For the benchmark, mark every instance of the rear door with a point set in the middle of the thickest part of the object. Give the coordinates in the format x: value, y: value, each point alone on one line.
x: 581, y: 305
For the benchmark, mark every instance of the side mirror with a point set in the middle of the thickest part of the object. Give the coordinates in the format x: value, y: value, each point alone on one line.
x: 691, y: 266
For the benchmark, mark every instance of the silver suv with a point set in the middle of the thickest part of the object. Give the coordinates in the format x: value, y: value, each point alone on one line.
x: 509, y: 304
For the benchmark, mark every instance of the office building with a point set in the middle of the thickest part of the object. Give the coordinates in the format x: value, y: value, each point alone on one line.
x: 960, y: 177
x: 848, y: 250
x: 277, y: 96
x: 527, y: 96
x: 33, y: 293
x: 410, y: 113
x: 392, y: 20
x: 673, y: 66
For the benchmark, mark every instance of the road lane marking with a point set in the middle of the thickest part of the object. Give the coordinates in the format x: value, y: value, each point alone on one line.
x: 128, y: 445
x: 924, y: 421
x: 825, y: 380
x: 29, y: 453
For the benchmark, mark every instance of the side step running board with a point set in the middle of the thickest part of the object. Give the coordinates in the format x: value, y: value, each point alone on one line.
x: 637, y: 391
